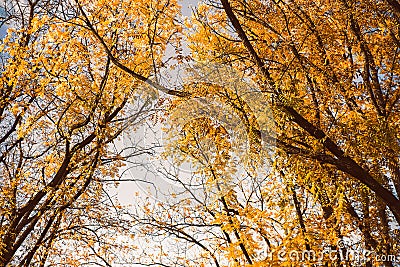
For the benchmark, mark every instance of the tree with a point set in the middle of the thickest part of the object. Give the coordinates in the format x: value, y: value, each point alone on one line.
x: 63, y: 106
x: 331, y: 70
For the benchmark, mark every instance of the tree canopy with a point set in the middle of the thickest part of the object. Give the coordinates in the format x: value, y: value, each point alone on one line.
x: 287, y: 112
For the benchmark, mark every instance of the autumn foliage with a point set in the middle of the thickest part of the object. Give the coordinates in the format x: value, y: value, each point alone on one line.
x: 287, y: 112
